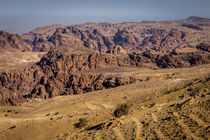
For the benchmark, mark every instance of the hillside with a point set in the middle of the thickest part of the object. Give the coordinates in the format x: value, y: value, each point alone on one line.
x: 174, y: 107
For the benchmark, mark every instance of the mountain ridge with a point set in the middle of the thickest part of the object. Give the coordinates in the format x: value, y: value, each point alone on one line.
x: 71, y: 52
x: 134, y: 37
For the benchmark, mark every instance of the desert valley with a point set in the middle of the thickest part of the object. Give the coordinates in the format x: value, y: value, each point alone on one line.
x: 133, y: 80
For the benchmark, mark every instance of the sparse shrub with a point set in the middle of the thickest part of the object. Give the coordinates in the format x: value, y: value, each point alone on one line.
x: 122, y: 109
x: 82, y: 122
x: 48, y: 114
x: 59, y: 117
x: 86, y: 113
x: 56, y: 113
x: 12, y: 127
x: 70, y: 116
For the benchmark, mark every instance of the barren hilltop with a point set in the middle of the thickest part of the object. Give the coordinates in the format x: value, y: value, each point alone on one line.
x: 145, y: 80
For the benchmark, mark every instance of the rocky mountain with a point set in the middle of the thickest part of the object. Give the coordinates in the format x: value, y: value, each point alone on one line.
x: 148, y: 80
x: 41, y: 32
x: 137, y: 37
x: 57, y: 74
x: 74, y: 70
x: 197, y: 19
x: 82, y: 58
x: 12, y: 42
x: 134, y: 37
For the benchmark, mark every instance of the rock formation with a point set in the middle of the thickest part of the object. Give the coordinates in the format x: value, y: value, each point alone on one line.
x: 76, y: 54
x: 67, y: 70
x: 12, y: 42
x: 133, y: 37
x: 117, y: 50
x: 57, y: 74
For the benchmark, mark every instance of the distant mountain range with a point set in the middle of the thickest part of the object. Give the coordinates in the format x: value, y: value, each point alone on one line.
x: 72, y: 51
x: 134, y: 37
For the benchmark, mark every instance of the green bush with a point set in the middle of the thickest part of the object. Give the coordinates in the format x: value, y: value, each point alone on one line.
x: 82, y: 122
x: 122, y: 109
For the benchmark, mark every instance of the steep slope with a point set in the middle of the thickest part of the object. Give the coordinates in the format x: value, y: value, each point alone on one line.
x: 179, y: 114
x: 12, y: 42
x: 38, y: 38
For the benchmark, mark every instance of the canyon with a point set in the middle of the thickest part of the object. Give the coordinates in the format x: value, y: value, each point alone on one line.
x: 160, y: 68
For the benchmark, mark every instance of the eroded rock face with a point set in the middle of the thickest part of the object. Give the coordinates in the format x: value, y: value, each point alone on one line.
x: 133, y: 37
x: 126, y: 38
x: 76, y: 84
x: 12, y: 42
x: 91, y: 47
x: 14, y: 85
x: 56, y: 62
x: 204, y: 47
x: 67, y: 71
x: 180, y: 57
x: 117, y: 50
x: 57, y: 74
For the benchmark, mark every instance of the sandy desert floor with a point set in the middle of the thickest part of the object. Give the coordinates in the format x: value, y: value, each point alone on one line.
x: 18, y: 60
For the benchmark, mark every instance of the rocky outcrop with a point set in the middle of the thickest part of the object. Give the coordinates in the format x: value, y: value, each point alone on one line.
x: 117, y: 50
x: 76, y: 84
x: 12, y: 42
x: 161, y: 40
x: 126, y: 38
x: 180, y: 58
x: 75, y: 70
x: 14, y: 85
x: 57, y: 74
x: 192, y: 26
x: 203, y: 47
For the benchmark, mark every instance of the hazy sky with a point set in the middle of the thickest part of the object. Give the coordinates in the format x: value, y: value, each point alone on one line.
x: 18, y: 16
